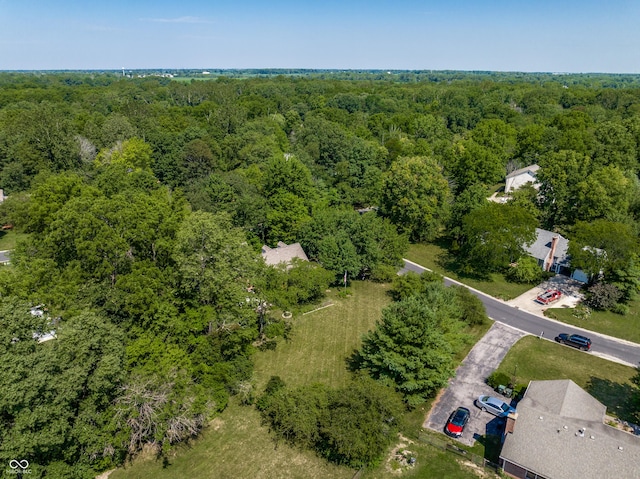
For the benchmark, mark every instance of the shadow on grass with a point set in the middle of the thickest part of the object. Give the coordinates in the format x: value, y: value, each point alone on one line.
x: 492, y: 444
x: 621, y: 399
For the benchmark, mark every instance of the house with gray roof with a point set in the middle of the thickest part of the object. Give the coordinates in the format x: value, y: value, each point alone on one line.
x: 521, y: 177
x: 283, y: 253
x: 550, y: 249
x: 559, y: 432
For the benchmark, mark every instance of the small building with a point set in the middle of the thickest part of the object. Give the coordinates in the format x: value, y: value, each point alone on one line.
x: 283, y: 253
x: 560, y: 433
x: 521, y: 177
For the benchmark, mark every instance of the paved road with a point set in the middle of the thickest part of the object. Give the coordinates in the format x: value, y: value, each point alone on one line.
x: 4, y: 256
x: 614, y: 349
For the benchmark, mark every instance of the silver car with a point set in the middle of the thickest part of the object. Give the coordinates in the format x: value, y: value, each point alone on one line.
x: 495, y: 406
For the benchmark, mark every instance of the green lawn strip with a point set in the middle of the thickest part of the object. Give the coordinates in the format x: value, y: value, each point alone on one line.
x: 235, y: 445
x: 323, y: 340
x: 9, y: 238
x: 610, y: 383
x: 437, y: 258
x: 431, y: 462
x: 605, y: 322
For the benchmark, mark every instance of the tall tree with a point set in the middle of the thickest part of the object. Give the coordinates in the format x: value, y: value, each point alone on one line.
x: 413, y: 344
x: 416, y: 197
x: 494, y: 236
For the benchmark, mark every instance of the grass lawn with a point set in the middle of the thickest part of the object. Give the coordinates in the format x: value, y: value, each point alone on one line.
x: 609, y: 382
x: 605, y: 322
x: 8, y: 239
x: 437, y: 258
x: 237, y: 445
x: 323, y: 340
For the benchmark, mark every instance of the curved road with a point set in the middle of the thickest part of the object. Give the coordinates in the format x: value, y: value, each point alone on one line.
x: 614, y: 349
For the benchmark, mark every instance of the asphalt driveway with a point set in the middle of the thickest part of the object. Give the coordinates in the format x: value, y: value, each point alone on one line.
x: 469, y: 383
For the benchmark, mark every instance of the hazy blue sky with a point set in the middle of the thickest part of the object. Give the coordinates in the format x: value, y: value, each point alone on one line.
x: 513, y: 35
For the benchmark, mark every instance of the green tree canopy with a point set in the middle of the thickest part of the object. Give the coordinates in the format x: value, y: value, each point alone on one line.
x: 416, y: 197
x: 494, y: 236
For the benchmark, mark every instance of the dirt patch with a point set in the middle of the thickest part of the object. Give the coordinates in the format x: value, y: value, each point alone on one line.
x: 622, y: 425
x: 105, y: 474
x: 216, y: 423
x: 477, y: 470
x: 401, y: 458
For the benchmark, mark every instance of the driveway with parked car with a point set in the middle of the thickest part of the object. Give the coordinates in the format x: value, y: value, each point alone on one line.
x: 469, y: 384
x: 557, y: 292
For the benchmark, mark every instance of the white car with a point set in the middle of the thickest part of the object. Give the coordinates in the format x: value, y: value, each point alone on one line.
x: 495, y: 406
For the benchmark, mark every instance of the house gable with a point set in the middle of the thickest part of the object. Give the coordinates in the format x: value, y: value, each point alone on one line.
x: 518, y: 178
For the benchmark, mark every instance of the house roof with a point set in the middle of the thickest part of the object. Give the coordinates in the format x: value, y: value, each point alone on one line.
x: 560, y: 434
x: 283, y: 253
x: 527, y: 169
x: 540, y: 248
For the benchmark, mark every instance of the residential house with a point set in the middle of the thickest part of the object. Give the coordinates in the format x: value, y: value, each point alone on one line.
x: 559, y: 433
x: 283, y: 253
x: 521, y: 177
x: 551, y: 251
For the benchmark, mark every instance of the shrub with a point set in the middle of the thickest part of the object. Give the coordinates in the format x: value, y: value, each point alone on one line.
x: 498, y: 378
x: 621, y: 309
x: 526, y: 270
x: 473, y: 311
x: 383, y: 273
x: 603, y: 296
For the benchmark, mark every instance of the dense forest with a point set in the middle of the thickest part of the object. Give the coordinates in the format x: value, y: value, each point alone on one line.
x: 142, y: 205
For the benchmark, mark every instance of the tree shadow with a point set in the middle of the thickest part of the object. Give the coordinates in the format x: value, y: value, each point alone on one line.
x: 492, y: 439
x: 452, y: 263
x: 620, y: 399
x: 354, y: 361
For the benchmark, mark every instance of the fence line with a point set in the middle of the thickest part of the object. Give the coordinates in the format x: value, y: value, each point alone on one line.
x: 452, y: 448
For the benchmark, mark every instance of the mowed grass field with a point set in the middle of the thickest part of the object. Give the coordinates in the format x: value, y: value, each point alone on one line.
x: 323, y: 340
x: 236, y: 444
x: 610, y: 383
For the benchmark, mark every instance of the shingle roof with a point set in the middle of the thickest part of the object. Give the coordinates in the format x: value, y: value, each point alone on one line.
x: 284, y: 253
x: 540, y: 248
x: 560, y: 434
x: 526, y: 169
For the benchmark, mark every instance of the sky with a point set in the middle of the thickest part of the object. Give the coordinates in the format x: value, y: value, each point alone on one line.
x: 504, y: 35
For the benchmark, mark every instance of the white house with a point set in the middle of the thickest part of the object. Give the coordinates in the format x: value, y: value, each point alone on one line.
x: 521, y: 177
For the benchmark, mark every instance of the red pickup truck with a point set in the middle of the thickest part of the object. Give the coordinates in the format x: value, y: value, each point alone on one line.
x: 549, y: 296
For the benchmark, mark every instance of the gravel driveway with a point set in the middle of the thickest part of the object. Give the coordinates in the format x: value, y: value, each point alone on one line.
x: 469, y: 383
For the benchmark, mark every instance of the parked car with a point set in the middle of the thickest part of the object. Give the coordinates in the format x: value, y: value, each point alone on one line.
x: 457, y: 421
x: 574, y: 340
x: 494, y: 405
x: 549, y: 296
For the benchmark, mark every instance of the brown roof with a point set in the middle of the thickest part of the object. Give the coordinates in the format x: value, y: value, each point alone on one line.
x: 283, y: 253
